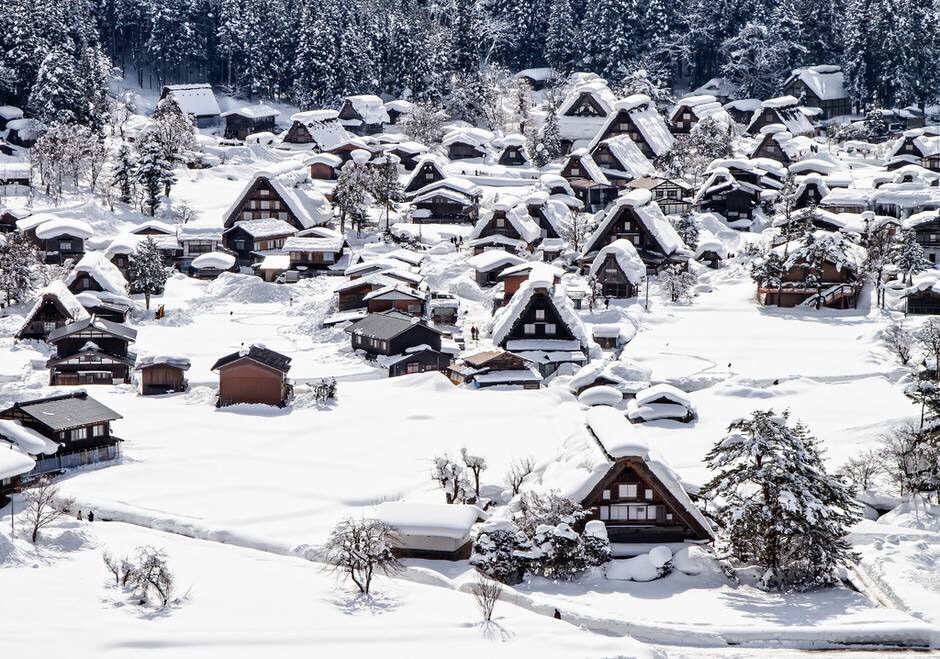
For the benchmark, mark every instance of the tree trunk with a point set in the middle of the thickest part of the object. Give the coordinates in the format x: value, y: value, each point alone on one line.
x: 147, y: 300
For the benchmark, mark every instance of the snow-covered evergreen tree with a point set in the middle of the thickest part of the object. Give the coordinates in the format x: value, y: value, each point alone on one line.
x: 147, y: 272
x: 815, y: 250
x: 18, y: 261
x: 386, y: 184
x: 501, y: 551
x: 123, y: 178
x: 58, y: 93
x: 316, y: 58
x: 561, y: 37
x: 549, y: 140
x: 173, y: 129
x: 352, y: 195
x: 677, y: 282
x: 778, y: 507
x: 424, y: 124
x: 558, y: 552
x: 688, y: 229
x: 767, y: 271
x: 154, y: 173
x: 909, y: 256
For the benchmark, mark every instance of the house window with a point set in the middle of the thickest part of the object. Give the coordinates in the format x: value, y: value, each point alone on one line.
x: 428, y: 176
x: 605, y: 513
x: 240, y: 245
x: 529, y: 328
x: 265, y: 205
x: 48, y: 327
x: 540, y: 314
x: 414, y: 308
x: 605, y: 494
x: 648, y: 495
x: 575, y: 171
x: 626, y: 490
x: 413, y: 368
x: 78, y: 433
x: 264, y: 193
x: 500, y: 222
x: 549, y: 328
x: 98, y: 430
x: 668, y: 517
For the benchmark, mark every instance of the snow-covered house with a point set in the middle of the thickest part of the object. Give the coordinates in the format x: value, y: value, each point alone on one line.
x: 636, y: 218
x: 741, y: 110
x: 721, y: 88
x: 689, y: 110
x: 211, y: 264
x: 408, y: 153
x: 91, y: 351
x: 923, y: 296
x: 631, y: 488
x: 352, y: 294
x: 926, y: 228
x: 312, y: 254
x: 661, y: 402
x: 192, y: 240
x: 822, y: 87
x: 777, y: 143
x: 255, y: 375
x: 9, y: 216
x: 15, y: 460
x: 488, y: 265
x: 429, y: 169
x: 436, y: 531
x: 24, y: 132
x: 398, y: 110
x: 834, y: 284
x: 781, y: 110
x: 325, y: 166
x: 492, y: 368
x: 917, y: 146
x: 62, y: 239
x: 514, y: 276
x: 400, y: 343
x: 732, y: 198
x: 583, y: 112
x: 398, y: 296
x: 8, y: 113
x: 246, y: 238
x: 467, y: 143
x: 162, y: 374
x: 196, y: 100
x: 316, y: 129
x: 590, y: 185
x: 618, y: 268
x: 447, y: 201
x: 61, y: 432
x: 540, y: 324
x: 363, y: 114
x: 621, y: 160
x: 55, y: 307
x: 512, y: 151
x: 505, y: 225
x: 636, y: 116
x: 15, y: 177
x: 625, y: 375
x: 244, y: 121
x: 674, y: 197
x: 287, y: 196
x: 811, y: 190
x: 94, y: 272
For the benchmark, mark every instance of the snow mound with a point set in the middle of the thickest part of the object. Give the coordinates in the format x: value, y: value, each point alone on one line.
x: 916, y: 514
x: 638, y: 568
x: 234, y: 287
x: 600, y: 395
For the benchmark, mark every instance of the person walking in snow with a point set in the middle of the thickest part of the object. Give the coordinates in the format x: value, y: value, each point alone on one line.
x: 607, y: 303
x: 91, y: 515
x: 79, y: 515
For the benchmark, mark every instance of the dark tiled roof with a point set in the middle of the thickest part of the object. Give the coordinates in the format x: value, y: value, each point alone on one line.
x: 385, y: 326
x: 261, y: 355
x: 68, y: 411
x: 107, y: 326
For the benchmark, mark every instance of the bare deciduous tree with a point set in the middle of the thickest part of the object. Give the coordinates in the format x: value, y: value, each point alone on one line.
x: 452, y: 479
x: 43, y: 505
x: 476, y: 465
x: 519, y: 470
x: 152, y: 575
x: 486, y: 592
x: 863, y: 469
x: 900, y: 341
x: 928, y: 339
x: 123, y: 570
x: 357, y: 549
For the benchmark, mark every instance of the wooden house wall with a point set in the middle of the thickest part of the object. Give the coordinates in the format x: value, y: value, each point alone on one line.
x: 623, y: 124
x: 538, y: 315
x: 614, y: 283
x: 923, y: 303
x: 61, y: 248
x: 246, y: 381
x: 413, y: 307
x: 50, y: 315
x: 461, y: 151
x: 259, y: 202
x: 160, y: 378
x: 298, y: 134
x: 512, y: 156
x: 238, y: 127
x: 420, y: 362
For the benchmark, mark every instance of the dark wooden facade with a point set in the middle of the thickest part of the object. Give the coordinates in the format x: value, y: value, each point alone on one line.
x: 614, y: 282
x: 411, y: 305
x: 238, y: 127
x: 243, y: 244
x: 348, y: 113
x: 426, y: 174
x: 255, y: 376
x: 261, y: 200
x: 420, y: 361
x: 445, y: 208
x: 464, y: 151
x: 75, y: 363
x: 62, y: 248
x: 627, y: 225
x: 835, y: 107
x: 635, y: 506
x: 622, y: 124
x: 539, y: 320
x: 391, y: 334
x: 513, y: 156
x: 162, y: 379
x: 794, y: 292
x: 50, y: 316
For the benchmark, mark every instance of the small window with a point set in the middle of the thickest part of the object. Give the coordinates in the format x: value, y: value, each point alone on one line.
x: 78, y: 433
x: 575, y: 171
x: 605, y: 494
x: 605, y: 513
x: 626, y: 490
x: 65, y: 246
x: 648, y: 494
x: 529, y: 328
x: 668, y: 517
x: 540, y: 314
x: 500, y: 222
x: 550, y: 328
x: 428, y: 176
x: 264, y: 193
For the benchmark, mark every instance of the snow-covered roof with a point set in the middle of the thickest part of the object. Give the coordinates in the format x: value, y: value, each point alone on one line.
x: 539, y: 74
x: 826, y: 81
x: 144, y: 361
x: 99, y: 268
x: 195, y: 99
x: 647, y: 119
x: 312, y: 244
x: 588, y: 168
x: 430, y: 519
x: 475, y: 137
x: 631, y: 160
x: 214, y: 261
x: 14, y: 463
x: 517, y: 216
x: 8, y: 112
x: 619, y: 439
x: 627, y: 259
x: 493, y: 259
x: 323, y: 126
x: 62, y: 226
x: 259, y: 111
x: 265, y: 228
x: 26, y: 439
x: 504, y: 319
x: 294, y: 187
x: 370, y: 107
x: 625, y: 375
x: 717, y: 87
x: 395, y: 291
x: 650, y: 215
x: 703, y: 105
x: 58, y: 292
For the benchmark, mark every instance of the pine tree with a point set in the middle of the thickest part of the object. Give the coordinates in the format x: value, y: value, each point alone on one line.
x: 154, y: 173
x: 351, y: 195
x: 767, y: 272
x: 561, y: 37
x: 317, y: 54
x: 58, y: 93
x: 386, y: 184
x: 464, y: 56
x: 18, y: 261
x: 550, y: 135
x: 909, y: 256
x: 146, y: 272
x: 123, y: 177
x: 778, y: 507
x: 751, y: 61
x: 173, y: 129
x: 688, y: 229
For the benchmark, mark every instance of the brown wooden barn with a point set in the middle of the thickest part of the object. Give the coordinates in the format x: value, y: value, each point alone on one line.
x: 255, y: 375
x: 162, y: 374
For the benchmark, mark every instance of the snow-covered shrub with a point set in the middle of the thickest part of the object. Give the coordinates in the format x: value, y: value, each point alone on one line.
x: 535, y: 510
x: 453, y: 480
x: 558, y: 552
x: 357, y: 549
x: 596, y: 543
x: 661, y: 558
x: 501, y: 551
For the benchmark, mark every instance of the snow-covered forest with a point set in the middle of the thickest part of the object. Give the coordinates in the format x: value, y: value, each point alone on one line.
x: 480, y: 327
